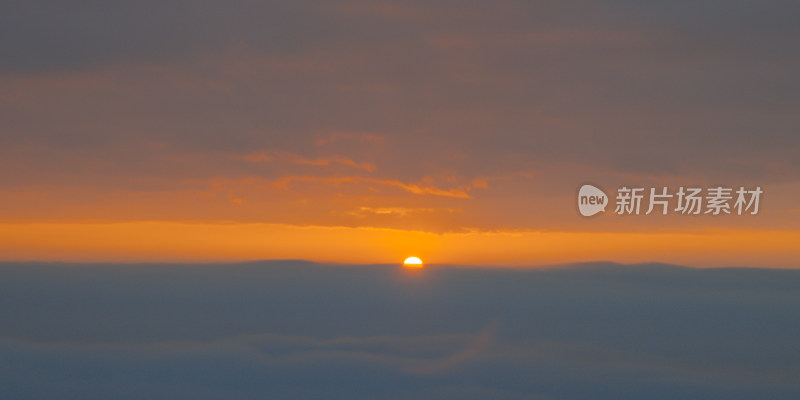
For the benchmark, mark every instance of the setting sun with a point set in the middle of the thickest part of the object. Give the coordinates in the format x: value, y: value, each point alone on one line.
x: 413, y: 262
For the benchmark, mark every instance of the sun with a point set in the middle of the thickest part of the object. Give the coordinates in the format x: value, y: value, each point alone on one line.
x: 413, y: 262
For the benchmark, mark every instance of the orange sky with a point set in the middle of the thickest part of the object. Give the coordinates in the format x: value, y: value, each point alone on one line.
x: 362, y: 133
x: 190, y: 242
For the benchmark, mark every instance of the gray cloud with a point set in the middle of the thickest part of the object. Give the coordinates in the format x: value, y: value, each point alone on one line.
x: 157, y: 94
x: 298, y: 330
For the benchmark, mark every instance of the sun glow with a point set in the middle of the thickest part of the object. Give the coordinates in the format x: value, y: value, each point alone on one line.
x: 179, y: 241
x: 413, y: 262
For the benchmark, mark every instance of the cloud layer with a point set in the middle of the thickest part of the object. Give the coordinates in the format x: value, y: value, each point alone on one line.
x: 299, y: 330
x: 163, y: 110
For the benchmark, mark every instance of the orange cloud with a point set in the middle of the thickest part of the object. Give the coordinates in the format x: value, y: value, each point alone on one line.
x: 408, y: 187
x: 395, y: 211
x: 325, y: 161
x: 269, y: 156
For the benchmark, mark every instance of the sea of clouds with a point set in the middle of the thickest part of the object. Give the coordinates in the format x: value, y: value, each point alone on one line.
x: 297, y: 330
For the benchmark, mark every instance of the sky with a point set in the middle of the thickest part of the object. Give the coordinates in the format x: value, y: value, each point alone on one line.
x: 211, y: 200
x: 365, y: 132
